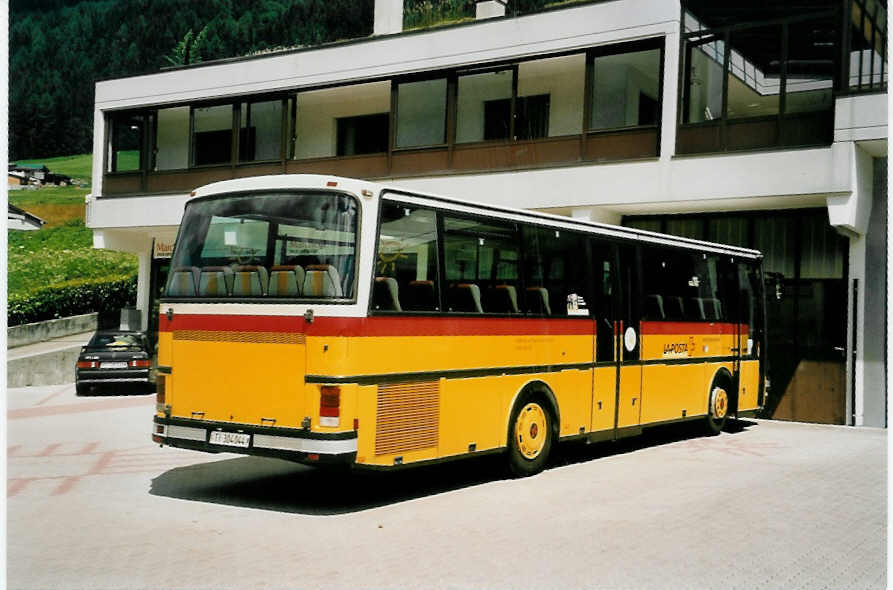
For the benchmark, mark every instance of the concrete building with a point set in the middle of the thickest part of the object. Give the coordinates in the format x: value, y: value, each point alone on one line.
x: 733, y: 122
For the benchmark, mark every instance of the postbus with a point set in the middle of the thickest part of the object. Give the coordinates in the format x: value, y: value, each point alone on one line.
x: 328, y: 320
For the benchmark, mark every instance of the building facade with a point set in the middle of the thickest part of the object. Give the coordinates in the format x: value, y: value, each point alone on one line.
x: 760, y: 127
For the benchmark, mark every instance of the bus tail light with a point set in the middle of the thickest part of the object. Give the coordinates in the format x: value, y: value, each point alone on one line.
x: 329, y: 405
x: 87, y: 364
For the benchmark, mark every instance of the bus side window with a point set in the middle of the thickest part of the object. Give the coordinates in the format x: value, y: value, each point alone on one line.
x: 555, y: 272
x: 482, y: 266
x: 406, y: 267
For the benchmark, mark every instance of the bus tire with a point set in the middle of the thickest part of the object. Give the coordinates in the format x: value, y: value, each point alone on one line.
x: 719, y: 404
x: 530, y: 435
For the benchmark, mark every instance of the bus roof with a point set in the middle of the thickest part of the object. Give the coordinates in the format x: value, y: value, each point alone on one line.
x: 330, y: 182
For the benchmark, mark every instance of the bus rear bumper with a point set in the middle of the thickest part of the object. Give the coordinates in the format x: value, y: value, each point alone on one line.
x: 284, y: 443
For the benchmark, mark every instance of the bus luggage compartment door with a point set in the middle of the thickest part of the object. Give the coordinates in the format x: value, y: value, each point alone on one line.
x: 239, y: 376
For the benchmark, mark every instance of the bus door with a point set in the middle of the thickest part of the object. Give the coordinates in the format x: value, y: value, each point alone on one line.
x: 629, y: 341
x: 607, y: 329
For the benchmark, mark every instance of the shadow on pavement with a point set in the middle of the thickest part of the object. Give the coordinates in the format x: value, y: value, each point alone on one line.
x: 283, y: 486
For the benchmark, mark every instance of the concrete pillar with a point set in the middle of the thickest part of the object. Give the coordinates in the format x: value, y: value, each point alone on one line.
x: 669, y: 97
x: 388, y: 17
x: 142, y: 286
x: 850, y: 213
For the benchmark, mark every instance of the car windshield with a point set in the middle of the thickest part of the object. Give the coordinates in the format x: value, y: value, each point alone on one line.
x: 116, y: 341
x: 266, y: 245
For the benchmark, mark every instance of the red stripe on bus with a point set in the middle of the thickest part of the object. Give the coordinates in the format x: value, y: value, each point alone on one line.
x: 668, y: 328
x: 379, y: 326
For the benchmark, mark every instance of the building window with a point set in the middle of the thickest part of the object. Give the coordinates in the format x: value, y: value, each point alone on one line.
x: 172, y: 139
x: 759, y: 86
x: 126, y: 142
x: 212, y: 137
x: 421, y: 113
x: 364, y: 134
x: 704, y: 80
x: 550, y: 95
x: 319, y: 131
x: 484, y: 106
x: 866, y: 69
x: 754, y: 76
x: 625, y: 89
x: 260, y: 131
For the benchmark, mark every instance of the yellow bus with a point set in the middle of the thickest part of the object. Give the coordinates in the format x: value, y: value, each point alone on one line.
x: 330, y: 320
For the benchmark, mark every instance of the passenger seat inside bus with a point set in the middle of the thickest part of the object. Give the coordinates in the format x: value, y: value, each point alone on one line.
x: 384, y: 294
x: 420, y: 296
x: 184, y: 281
x: 674, y: 309
x: 654, y: 307
x: 502, y: 299
x: 249, y: 281
x: 694, y: 309
x: 538, y: 301
x: 465, y: 297
x: 215, y: 281
x: 322, y: 280
x: 286, y: 280
x: 711, y: 307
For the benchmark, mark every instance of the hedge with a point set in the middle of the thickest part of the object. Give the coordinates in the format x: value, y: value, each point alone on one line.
x: 72, y: 298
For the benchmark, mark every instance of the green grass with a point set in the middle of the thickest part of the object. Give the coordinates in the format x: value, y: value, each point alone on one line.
x: 63, y: 249
x: 79, y: 167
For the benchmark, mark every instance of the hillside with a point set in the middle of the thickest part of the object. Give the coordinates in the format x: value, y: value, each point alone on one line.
x: 62, y: 251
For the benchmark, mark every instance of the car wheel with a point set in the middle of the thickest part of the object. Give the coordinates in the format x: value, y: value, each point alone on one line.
x: 530, y: 437
x: 82, y: 389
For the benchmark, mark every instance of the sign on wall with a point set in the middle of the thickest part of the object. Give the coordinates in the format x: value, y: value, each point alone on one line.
x: 162, y: 249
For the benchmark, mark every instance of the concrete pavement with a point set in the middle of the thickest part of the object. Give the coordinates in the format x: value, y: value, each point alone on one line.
x: 94, y: 504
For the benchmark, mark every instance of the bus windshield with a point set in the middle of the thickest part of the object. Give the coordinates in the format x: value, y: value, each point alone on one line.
x: 297, y: 245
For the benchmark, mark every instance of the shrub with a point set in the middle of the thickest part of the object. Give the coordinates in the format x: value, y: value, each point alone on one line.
x: 72, y: 298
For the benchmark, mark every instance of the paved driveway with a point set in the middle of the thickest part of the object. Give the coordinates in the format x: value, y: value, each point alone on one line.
x: 94, y: 504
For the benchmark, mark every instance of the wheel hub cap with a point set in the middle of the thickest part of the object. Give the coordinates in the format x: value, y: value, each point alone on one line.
x: 530, y: 422
x: 720, y: 405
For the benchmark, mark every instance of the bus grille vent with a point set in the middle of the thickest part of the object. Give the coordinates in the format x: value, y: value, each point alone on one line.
x: 408, y: 417
x: 251, y: 337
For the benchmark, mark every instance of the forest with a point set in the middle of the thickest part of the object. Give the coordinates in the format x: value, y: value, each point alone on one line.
x: 60, y: 48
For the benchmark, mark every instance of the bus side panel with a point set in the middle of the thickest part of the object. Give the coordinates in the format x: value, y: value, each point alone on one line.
x: 749, y: 385
x: 573, y: 392
x: 670, y: 390
x: 605, y: 398
x: 630, y: 409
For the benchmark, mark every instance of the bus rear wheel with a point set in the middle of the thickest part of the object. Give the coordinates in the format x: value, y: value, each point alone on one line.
x: 530, y: 437
x: 718, y: 410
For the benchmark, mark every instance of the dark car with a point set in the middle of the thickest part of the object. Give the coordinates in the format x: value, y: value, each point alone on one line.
x: 115, y: 362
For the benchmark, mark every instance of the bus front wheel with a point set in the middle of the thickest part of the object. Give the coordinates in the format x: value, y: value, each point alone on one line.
x: 530, y: 437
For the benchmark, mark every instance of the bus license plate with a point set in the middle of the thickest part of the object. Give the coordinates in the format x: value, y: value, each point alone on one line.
x: 230, y: 439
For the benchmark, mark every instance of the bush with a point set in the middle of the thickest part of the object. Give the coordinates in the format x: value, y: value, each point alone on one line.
x: 72, y: 298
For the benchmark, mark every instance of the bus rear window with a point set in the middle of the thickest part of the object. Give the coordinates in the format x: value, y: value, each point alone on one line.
x: 266, y: 245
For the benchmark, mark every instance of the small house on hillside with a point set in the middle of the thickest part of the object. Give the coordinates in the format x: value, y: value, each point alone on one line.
x: 22, y: 220
x: 37, y: 174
